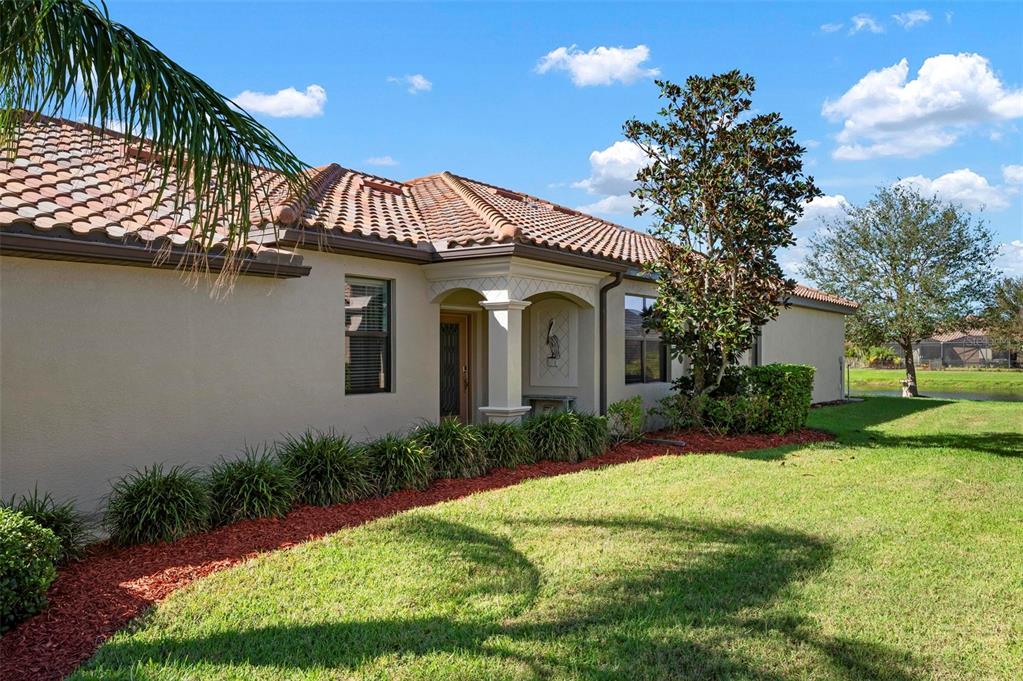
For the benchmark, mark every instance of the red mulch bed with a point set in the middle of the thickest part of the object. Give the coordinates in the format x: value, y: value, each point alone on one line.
x: 93, y: 598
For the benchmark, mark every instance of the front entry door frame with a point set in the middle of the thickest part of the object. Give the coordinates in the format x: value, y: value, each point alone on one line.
x: 464, y: 322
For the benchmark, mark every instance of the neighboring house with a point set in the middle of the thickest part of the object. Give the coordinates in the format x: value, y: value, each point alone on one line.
x: 382, y: 304
x: 972, y: 348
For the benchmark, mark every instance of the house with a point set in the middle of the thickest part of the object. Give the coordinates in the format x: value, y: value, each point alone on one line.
x: 381, y: 304
x: 970, y: 348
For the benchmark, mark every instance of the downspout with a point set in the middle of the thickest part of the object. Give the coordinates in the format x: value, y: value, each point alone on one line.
x: 618, y: 276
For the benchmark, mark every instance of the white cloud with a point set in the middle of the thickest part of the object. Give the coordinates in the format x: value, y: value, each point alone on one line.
x: 965, y: 187
x: 1012, y: 174
x: 612, y: 176
x: 865, y: 22
x: 831, y: 28
x: 599, y: 66
x: 817, y: 215
x: 416, y: 83
x: 1010, y: 258
x: 821, y: 211
x: 381, y: 161
x: 613, y: 170
x: 286, y: 103
x: 915, y: 17
x: 619, y: 204
x: 885, y: 114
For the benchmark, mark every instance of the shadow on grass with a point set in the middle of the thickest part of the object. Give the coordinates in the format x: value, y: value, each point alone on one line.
x: 682, y: 611
x: 999, y: 444
x: 849, y: 422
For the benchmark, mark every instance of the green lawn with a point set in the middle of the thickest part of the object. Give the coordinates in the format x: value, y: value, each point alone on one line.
x: 895, y: 553
x: 950, y: 380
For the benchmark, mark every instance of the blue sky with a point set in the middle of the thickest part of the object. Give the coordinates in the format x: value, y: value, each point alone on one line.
x: 533, y: 96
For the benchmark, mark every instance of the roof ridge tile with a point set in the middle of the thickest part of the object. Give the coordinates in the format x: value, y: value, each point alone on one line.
x: 503, y: 228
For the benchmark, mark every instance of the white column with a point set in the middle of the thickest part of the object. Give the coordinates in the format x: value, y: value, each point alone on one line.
x: 504, y: 361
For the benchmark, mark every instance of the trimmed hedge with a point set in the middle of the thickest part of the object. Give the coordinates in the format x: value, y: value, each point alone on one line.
x: 505, y: 445
x: 329, y: 469
x: 70, y: 526
x: 555, y: 435
x: 255, y: 486
x: 788, y: 389
x: 457, y: 448
x: 152, y: 505
x: 400, y: 463
x: 773, y: 398
x: 28, y: 556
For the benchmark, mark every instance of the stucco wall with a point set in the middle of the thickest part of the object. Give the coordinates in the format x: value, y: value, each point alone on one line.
x: 584, y: 382
x: 103, y: 368
x: 617, y: 388
x: 802, y: 335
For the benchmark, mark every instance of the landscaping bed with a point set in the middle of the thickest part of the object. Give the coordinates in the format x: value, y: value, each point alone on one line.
x: 94, y: 597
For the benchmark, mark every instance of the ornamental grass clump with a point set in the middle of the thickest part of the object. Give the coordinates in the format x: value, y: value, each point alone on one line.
x: 505, y: 445
x: 155, y: 505
x: 457, y: 448
x: 329, y: 468
x: 255, y: 486
x: 70, y: 526
x: 555, y: 436
x: 400, y: 463
x: 28, y: 556
x: 594, y: 435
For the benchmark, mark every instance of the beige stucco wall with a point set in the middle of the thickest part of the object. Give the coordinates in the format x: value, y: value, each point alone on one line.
x: 103, y: 368
x: 803, y: 335
x: 585, y: 387
x: 617, y: 388
x: 106, y: 368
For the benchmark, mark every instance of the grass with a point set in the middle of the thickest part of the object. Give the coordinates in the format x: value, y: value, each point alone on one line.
x: 893, y: 553
x: 950, y: 380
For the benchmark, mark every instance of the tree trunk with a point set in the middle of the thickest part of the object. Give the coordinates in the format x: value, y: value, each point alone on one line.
x: 909, y: 383
x: 699, y: 375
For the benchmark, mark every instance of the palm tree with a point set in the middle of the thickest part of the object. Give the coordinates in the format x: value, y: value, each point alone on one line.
x: 66, y: 57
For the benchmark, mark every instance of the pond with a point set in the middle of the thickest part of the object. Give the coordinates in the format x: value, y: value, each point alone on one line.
x: 960, y: 395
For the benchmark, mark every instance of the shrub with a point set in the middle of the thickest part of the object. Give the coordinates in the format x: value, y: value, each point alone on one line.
x: 736, y: 414
x: 594, y: 435
x: 255, y: 486
x: 70, y: 526
x: 680, y: 411
x: 329, y: 469
x: 400, y: 463
x: 626, y: 419
x: 28, y: 554
x: 555, y: 436
x: 504, y: 445
x: 154, y: 505
x: 457, y: 448
x: 788, y: 391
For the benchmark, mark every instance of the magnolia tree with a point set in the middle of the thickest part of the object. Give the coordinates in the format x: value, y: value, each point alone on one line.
x: 725, y: 188
x: 916, y: 265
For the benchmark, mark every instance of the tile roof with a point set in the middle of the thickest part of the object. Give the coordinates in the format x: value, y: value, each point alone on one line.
x: 71, y: 179
x: 822, y: 297
x: 979, y: 335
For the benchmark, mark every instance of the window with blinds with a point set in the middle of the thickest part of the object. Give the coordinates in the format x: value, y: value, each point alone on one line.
x: 367, y: 335
x: 646, y: 357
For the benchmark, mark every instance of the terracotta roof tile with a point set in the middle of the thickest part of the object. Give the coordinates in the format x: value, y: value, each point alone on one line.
x: 73, y: 178
x: 822, y: 297
x: 499, y: 214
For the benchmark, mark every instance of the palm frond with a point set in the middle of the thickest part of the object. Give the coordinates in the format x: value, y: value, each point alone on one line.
x: 67, y: 58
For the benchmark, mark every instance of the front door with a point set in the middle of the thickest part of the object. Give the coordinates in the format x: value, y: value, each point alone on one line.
x: 454, y: 366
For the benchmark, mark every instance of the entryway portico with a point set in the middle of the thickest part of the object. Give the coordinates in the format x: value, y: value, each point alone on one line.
x: 536, y: 331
